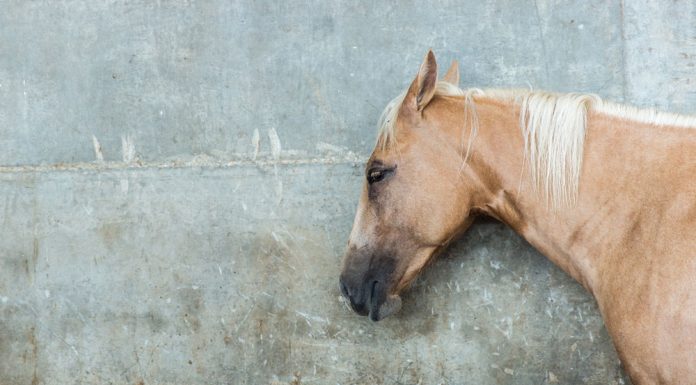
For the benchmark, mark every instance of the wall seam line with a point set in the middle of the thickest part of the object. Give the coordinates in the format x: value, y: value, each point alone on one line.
x: 118, y: 166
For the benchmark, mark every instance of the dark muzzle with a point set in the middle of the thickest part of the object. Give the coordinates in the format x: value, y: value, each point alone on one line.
x: 369, y: 297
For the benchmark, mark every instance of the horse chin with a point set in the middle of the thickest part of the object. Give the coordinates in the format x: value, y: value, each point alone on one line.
x: 391, y: 305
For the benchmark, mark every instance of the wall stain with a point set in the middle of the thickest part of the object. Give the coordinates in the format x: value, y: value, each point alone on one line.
x: 111, y: 233
x: 30, y: 262
x: 155, y: 321
x: 31, y: 336
x: 192, y: 305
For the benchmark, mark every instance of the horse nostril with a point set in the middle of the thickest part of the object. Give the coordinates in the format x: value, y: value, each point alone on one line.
x: 373, y: 290
x: 344, y: 288
x: 355, y: 296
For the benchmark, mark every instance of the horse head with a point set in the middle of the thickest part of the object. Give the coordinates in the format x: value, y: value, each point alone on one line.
x: 417, y: 195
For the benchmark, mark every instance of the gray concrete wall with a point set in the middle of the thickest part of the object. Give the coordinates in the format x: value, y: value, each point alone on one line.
x: 179, y: 179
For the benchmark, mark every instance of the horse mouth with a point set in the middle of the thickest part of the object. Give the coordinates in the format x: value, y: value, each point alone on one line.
x: 382, y: 305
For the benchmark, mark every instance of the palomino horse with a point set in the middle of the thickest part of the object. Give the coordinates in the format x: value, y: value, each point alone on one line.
x: 606, y: 191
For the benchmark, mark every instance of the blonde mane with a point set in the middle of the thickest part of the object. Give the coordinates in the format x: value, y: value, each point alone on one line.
x: 553, y: 127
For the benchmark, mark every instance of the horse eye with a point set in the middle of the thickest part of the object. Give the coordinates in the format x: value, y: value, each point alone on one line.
x: 376, y: 174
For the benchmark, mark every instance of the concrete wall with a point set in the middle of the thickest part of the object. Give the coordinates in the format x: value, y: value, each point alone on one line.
x: 179, y: 179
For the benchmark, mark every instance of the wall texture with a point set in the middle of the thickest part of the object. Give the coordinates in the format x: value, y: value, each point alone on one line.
x: 179, y: 178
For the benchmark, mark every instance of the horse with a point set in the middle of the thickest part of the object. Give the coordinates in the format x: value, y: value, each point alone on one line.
x: 606, y: 191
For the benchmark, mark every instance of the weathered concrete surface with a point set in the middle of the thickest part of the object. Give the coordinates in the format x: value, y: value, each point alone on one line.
x: 660, y: 54
x: 188, y: 78
x: 221, y: 276
x: 205, y: 247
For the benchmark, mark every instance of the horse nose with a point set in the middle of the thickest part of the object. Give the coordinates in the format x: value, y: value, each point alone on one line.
x: 355, y: 294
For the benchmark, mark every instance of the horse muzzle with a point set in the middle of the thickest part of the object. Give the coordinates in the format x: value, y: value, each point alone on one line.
x: 369, y: 297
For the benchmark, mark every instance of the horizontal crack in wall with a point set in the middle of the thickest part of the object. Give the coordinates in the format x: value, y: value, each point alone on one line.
x: 177, y: 164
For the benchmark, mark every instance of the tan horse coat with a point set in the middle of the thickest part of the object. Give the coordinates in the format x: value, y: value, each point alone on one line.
x: 629, y: 236
x: 630, y: 239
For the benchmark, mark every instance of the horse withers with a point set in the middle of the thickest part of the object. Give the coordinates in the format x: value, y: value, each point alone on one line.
x: 606, y: 191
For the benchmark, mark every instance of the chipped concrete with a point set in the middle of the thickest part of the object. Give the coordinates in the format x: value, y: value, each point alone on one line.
x: 178, y: 180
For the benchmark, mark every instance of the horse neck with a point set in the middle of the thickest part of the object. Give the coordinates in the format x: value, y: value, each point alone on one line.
x: 623, y: 168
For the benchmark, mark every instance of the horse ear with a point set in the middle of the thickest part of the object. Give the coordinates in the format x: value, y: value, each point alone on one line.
x: 422, y: 89
x: 452, y: 75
